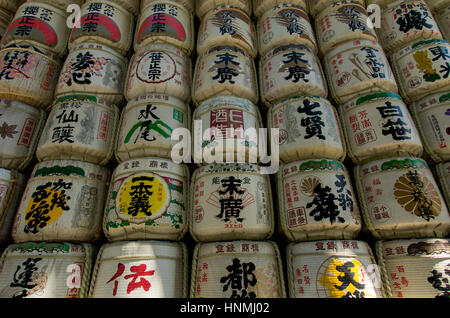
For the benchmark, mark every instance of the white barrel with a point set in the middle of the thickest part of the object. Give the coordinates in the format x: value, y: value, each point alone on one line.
x: 443, y: 20
x: 442, y: 172
x: 132, y: 6
x: 159, y: 68
x: 147, y: 124
x: 422, y: 68
x: 205, y: 6
x: 318, y: 6
x: 237, y: 269
x: 290, y: 70
x: 165, y: 22
x: 147, y: 199
x: 224, y: 70
x: 12, y: 185
x: 79, y: 129
x: 285, y: 24
x: 332, y: 269
x: 309, y: 128
x: 21, y: 127
x: 63, y: 201
x: 398, y: 28
x: 142, y: 269
x: 317, y: 201
x: 260, y: 7
x: 358, y: 67
x: 104, y: 22
x: 231, y: 202
x: 28, y: 74
x: 46, y: 270
x: 379, y: 125
x: 229, y: 125
x: 414, y: 268
x: 431, y: 116
x: 400, y: 198
x: 63, y: 4
x: 39, y: 24
x: 11, y: 5
x: 93, y: 69
x: 341, y: 22
x: 188, y: 4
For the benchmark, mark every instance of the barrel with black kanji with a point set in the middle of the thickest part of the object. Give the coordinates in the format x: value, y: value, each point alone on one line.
x: 147, y: 199
x: 237, y: 269
x: 205, y: 6
x: 318, y: 6
x: 400, y: 199
x: 188, y: 4
x: 12, y: 185
x: 142, y: 269
x: 317, y: 201
x: 62, y: 201
x: 46, y: 270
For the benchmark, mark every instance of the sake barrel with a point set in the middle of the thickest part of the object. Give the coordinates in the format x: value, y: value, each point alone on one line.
x: 46, y: 270
x: 79, y: 129
x: 227, y: 25
x: 188, y: 4
x: 436, y: 5
x: 431, y: 116
x: 147, y: 124
x: 205, y: 6
x: 104, y: 22
x: 443, y: 20
x: 64, y: 4
x: 28, y: 74
x: 332, y: 269
x: 231, y: 202
x: 400, y: 198
x: 290, y: 70
x: 11, y: 5
x: 358, y: 67
x: 318, y: 6
x: 379, y: 125
x: 166, y: 22
x: 404, y: 22
x: 132, y: 6
x: 147, y: 199
x: 21, y: 126
x: 62, y: 201
x: 341, y: 22
x: 317, y: 201
x: 285, y: 24
x: 244, y: 269
x: 39, y: 24
x: 416, y: 268
x: 161, y: 267
x: 93, y: 69
x: 308, y: 128
x: 5, y: 19
x: 12, y: 185
x: 224, y: 70
x: 443, y: 175
x: 422, y: 68
x: 159, y: 68
x: 260, y: 7
x: 227, y: 124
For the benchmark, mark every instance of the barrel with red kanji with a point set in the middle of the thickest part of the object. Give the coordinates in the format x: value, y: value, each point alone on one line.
x: 205, y: 6
x: 260, y: 7
x: 237, y: 269
x: 142, y: 269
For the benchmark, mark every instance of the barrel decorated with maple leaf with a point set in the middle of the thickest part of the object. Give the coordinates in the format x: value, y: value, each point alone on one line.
x: 12, y: 185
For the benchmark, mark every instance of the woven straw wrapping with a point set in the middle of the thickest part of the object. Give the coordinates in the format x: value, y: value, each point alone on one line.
x: 318, y: 6
x: 437, y: 5
x: 430, y: 116
x: 274, y: 28
x: 172, y: 77
x: 55, y: 270
x: 416, y: 268
x: 318, y: 270
x: 63, y: 201
x: 20, y: 132
x: 369, y: 137
x: 163, y: 266
x: 419, y: 71
x: 215, y: 265
x: 278, y: 79
x: 133, y: 6
x: 443, y: 20
x: 34, y: 79
x: 12, y: 185
x: 11, y: 5
x: 63, y: 4
x: 260, y: 7
x: 215, y: 185
x: 210, y: 81
x: 179, y: 22
x: 147, y: 124
x: 400, y: 199
x: 443, y: 173
x: 5, y: 19
x: 205, y: 6
x: 301, y: 187
x: 139, y: 215
x: 188, y: 4
x: 115, y: 26
x: 93, y: 69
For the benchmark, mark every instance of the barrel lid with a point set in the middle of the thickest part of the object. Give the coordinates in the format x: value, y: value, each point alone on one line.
x: 308, y: 166
x: 395, y: 163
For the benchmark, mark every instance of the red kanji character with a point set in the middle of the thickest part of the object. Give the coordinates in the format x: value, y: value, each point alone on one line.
x: 139, y: 271
x: 401, y: 269
x: 120, y: 270
x: 319, y: 246
x: 404, y: 281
